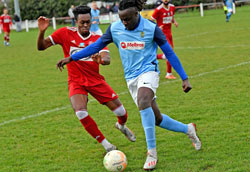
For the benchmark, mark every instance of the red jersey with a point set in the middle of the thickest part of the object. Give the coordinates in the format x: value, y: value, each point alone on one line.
x: 164, y: 17
x: 5, y: 21
x: 84, y: 71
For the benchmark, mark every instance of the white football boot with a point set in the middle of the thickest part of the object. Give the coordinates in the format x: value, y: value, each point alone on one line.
x: 193, y: 136
x: 126, y: 131
x: 150, y: 162
x: 112, y: 147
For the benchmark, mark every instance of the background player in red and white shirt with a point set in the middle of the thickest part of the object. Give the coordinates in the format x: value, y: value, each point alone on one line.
x: 6, y: 23
x: 164, y: 16
x: 83, y: 75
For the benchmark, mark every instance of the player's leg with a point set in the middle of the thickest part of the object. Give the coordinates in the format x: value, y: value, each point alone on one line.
x: 6, y: 36
x: 106, y: 95
x: 79, y: 99
x: 164, y: 121
x: 145, y: 96
x: 161, y: 56
x: 121, y: 113
x: 147, y: 85
x: 229, y: 13
x: 169, y: 74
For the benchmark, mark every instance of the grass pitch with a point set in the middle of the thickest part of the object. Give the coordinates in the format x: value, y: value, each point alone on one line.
x: 39, y: 131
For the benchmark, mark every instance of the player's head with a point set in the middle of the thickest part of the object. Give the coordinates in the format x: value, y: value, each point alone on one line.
x: 5, y: 11
x: 82, y: 15
x: 165, y: 2
x: 129, y: 12
x: 94, y: 5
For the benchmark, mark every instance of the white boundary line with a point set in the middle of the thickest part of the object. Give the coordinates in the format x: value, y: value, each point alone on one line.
x: 210, y: 47
x: 126, y: 92
x: 205, y: 33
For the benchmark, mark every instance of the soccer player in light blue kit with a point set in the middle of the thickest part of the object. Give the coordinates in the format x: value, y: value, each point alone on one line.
x: 95, y: 19
x: 229, y: 5
x: 137, y: 39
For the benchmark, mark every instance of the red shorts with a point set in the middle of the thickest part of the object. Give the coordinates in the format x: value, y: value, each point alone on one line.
x: 102, y: 92
x: 6, y: 30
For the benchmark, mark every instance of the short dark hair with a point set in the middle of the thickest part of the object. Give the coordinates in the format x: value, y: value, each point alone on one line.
x: 81, y: 9
x: 138, y: 4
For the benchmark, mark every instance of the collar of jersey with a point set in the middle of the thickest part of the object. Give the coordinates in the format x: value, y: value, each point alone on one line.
x: 84, y: 38
x: 165, y: 7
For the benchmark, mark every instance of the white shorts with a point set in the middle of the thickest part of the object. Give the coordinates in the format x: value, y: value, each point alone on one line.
x: 229, y: 9
x: 148, y: 79
x: 98, y: 32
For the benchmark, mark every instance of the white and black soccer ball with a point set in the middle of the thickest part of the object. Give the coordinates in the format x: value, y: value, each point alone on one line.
x: 115, y: 161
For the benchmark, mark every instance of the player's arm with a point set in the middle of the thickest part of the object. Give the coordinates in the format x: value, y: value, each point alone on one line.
x: 162, y: 42
x: 42, y: 43
x: 175, y: 22
x: 94, y: 48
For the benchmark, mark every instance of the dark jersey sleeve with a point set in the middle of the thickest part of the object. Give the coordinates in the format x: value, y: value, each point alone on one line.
x: 107, y: 36
x: 162, y: 42
x: 159, y: 36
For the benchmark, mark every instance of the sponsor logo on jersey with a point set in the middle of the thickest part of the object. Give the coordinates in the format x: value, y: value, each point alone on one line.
x: 74, y: 50
x: 73, y: 41
x: 135, y: 45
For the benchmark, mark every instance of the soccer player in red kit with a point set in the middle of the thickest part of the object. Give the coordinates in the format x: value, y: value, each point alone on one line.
x: 164, y: 16
x: 83, y: 75
x: 6, y: 23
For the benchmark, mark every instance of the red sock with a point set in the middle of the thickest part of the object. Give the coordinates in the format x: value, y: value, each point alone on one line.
x: 122, y: 119
x: 6, y: 38
x: 161, y: 56
x: 91, y: 127
x: 169, y: 67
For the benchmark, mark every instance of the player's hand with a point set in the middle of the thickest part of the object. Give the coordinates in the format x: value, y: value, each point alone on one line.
x: 94, y: 22
x: 97, y: 58
x: 186, y: 86
x: 176, y: 24
x: 60, y: 64
x: 161, y: 27
x: 43, y: 23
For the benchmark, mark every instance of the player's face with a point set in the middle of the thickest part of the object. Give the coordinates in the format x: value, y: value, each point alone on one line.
x: 84, y: 23
x: 5, y: 11
x: 129, y: 18
x: 94, y: 6
x: 165, y: 2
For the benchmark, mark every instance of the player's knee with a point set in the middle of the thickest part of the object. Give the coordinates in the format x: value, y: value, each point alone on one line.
x: 144, y: 103
x: 77, y: 108
x: 120, y: 111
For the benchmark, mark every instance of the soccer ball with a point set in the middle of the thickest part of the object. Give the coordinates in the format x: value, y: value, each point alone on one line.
x: 115, y: 160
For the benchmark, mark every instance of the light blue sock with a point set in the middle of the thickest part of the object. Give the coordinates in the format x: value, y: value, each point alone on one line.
x: 148, y: 123
x: 173, y: 125
x: 229, y: 15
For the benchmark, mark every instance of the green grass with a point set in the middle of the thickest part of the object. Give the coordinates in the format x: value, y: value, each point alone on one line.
x: 56, y: 141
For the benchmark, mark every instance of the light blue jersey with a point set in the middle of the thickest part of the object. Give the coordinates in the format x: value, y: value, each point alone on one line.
x: 95, y: 17
x: 137, y: 47
x: 229, y: 4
